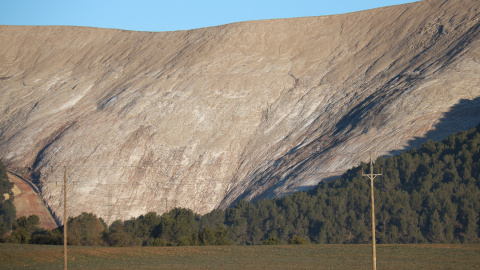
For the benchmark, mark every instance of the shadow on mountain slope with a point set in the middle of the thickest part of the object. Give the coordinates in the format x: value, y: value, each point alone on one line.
x: 462, y: 116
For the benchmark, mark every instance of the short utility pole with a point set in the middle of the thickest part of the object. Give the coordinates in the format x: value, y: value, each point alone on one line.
x: 372, y: 176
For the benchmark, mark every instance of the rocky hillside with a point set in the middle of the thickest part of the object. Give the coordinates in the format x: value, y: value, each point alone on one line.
x: 198, y: 119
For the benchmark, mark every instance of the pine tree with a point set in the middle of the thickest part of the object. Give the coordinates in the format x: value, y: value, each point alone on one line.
x: 436, y: 228
x: 471, y: 229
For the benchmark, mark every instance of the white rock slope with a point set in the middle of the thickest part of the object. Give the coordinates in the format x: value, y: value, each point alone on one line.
x: 201, y: 118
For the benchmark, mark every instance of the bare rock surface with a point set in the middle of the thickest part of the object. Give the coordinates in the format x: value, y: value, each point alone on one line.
x: 199, y: 119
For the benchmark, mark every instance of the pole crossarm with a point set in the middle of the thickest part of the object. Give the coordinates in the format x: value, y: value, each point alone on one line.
x: 371, y: 174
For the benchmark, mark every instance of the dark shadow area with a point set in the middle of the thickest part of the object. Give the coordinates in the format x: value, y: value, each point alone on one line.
x: 462, y: 116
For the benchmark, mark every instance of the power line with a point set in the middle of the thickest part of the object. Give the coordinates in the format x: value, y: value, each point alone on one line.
x: 157, y: 164
x: 152, y: 179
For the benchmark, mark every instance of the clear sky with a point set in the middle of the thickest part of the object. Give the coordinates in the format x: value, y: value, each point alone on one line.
x: 171, y: 15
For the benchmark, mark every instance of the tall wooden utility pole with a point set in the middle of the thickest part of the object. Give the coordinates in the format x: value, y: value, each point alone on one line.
x: 372, y: 176
x: 65, y: 217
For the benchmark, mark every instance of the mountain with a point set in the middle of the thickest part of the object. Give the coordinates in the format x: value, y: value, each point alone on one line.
x: 143, y: 121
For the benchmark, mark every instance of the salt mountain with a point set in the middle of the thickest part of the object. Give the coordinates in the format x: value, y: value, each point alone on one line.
x: 201, y: 118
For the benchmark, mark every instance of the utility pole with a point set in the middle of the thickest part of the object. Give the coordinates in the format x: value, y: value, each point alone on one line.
x: 65, y: 217
x: 372, y: 176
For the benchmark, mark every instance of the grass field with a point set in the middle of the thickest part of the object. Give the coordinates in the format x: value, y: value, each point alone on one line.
x: 15, y: 256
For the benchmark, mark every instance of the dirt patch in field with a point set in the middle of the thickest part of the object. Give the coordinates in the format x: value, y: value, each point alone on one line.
x: 27, y: 202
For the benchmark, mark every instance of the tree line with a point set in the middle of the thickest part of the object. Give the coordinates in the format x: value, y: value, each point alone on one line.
x: 7, y: 209
x: 425, y: 195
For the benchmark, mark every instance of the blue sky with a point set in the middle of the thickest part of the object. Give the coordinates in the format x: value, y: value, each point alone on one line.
x: 151, y: 15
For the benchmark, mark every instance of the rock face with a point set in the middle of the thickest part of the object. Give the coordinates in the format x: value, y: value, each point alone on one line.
x: 201, y: 118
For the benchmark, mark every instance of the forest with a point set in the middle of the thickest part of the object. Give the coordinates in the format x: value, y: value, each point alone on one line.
x: 425, y: 195
x: 7, y: 209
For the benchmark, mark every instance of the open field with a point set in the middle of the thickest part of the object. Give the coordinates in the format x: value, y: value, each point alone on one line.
x: 14, y: 256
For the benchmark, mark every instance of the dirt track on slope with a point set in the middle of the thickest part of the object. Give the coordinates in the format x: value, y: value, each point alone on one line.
x: 27, y: 202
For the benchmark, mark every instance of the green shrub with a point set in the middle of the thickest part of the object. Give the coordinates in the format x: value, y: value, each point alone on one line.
x: 272, y: 241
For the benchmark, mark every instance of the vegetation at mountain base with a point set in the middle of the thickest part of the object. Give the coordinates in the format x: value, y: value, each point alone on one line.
x: 425, y: 195
x: 7, y: 209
